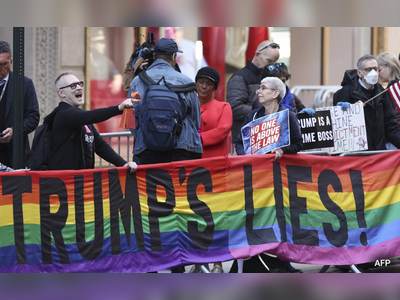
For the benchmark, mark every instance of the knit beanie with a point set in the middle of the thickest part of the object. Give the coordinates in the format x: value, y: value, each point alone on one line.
x: 209, y: 73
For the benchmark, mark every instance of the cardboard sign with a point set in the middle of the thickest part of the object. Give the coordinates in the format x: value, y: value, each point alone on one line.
x: 335, y: 130
x: 349, y: 130
x: 266, y: 134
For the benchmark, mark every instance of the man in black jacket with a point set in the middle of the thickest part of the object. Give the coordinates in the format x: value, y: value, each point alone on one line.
x: 242, y: 87
x: 74, y: 139
x: 30, y: 108
x: 361, y: 85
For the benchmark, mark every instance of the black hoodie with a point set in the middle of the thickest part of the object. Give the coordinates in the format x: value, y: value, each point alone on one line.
x: 380, y: 121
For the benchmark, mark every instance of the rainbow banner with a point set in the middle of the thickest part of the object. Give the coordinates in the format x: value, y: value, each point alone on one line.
x: 304, y: 208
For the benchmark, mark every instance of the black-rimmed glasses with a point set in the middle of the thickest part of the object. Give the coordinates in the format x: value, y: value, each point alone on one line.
x: 73, y: 86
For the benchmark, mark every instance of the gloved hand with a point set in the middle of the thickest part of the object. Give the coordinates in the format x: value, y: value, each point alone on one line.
x: 344, y: 105
x: 309, y: 111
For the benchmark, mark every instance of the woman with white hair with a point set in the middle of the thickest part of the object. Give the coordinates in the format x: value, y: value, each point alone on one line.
x: 270, y: 93
x: 272, y: 90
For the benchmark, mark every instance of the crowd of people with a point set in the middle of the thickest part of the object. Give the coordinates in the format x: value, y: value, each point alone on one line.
x: 177, y: 119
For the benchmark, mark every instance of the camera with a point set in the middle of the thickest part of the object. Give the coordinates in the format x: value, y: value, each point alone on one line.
x: 279, y: 70
x: 144, y: 51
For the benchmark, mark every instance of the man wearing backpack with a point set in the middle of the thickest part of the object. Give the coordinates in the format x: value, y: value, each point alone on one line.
x: 73, y: 139
x: 168, y: 115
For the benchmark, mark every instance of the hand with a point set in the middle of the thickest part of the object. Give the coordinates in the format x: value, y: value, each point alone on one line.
x: 278, y: 153
x: 127, y: 103
x: 6, y: 135
x: 308, y: 110
x: 132, y: 166
x: 344, y: 105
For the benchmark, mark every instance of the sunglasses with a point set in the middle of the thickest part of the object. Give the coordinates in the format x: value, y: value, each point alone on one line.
x: 272, y: 45
x: 73, y: 86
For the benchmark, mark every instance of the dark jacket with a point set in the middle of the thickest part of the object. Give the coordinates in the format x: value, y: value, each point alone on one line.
x: 296, y: 141
x: 380, y: 121
x: 30, y: 117
x: 241, y: 94
x: 74, y: 139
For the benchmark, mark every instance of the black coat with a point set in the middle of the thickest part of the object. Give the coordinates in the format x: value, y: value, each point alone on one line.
x: 30, y: 118
x: 380, y: 120
x: 74, y: 139
x: 296, y: 141
x: 241, y: 95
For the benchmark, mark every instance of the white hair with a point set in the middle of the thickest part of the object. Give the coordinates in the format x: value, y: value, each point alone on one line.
x: 275, y: 83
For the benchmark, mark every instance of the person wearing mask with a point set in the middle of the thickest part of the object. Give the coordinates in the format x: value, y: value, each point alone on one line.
x: 361, y: 85
x: 242, y: 86
x: 216, y: 116
x: 270, y: 94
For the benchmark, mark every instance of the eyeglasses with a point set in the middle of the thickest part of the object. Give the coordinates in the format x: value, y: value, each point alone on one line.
x: 264, y: 87
x: 369, y: 69
x: 272, y: 45
x: 73, y: 86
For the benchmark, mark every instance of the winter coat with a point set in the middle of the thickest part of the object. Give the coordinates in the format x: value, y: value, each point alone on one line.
x: 380, y: 121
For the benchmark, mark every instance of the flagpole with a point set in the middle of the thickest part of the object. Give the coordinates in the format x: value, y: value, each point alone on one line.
x: 377, y: 95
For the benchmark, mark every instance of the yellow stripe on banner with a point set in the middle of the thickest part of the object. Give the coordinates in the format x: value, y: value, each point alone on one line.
x: 6, y: 215
x: 89, y: 211
x: 221, y: 202
x: 346, y: 201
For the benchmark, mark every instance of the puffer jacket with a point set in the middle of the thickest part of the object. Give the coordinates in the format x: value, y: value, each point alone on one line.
x: 380, y: 121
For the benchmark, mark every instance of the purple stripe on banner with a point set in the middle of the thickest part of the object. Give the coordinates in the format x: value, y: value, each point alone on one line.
x: 129, y: 262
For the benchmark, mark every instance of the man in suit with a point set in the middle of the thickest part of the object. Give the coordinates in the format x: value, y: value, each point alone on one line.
x: 30, y: 113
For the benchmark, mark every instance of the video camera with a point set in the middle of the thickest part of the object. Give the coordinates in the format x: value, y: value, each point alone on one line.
x: 145, y: 52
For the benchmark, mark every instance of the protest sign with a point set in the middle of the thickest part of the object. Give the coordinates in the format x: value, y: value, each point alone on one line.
x: 316, y: 131
x: 349, y: 131
x: 266, y: 134
x: 335, y: 130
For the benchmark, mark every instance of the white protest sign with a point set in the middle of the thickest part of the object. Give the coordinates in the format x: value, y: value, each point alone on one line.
x: 348, y: 126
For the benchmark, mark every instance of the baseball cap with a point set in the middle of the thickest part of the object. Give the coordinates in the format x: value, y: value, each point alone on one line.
x: 165, y: 45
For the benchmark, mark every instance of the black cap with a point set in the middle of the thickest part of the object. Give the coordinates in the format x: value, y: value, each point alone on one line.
x: 165, y: 45
x: 209, y: 73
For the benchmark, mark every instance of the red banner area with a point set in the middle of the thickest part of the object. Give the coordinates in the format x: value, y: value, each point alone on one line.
x: 303, y: 208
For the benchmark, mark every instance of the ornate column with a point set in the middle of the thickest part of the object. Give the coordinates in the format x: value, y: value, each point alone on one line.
x: 45, y: 62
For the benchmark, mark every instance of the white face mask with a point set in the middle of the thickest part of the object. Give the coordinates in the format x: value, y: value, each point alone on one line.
x: 372, y: 77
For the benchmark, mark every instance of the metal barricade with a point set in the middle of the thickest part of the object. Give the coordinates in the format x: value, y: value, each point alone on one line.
x: 121, y: 142
x: 315, y: 95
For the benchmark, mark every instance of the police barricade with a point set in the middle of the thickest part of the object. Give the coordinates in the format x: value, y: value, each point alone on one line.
x: 121, y: 142
x: 315, y: 95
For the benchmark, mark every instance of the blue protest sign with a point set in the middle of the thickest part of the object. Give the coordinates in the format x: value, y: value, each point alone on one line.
x: 266, y: 134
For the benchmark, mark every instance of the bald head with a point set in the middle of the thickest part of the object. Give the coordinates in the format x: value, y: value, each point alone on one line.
x: 69, y: 89
x: 267, y: 52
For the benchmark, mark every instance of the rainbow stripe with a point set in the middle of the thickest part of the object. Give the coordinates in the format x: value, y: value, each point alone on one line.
x: 307, y: 209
